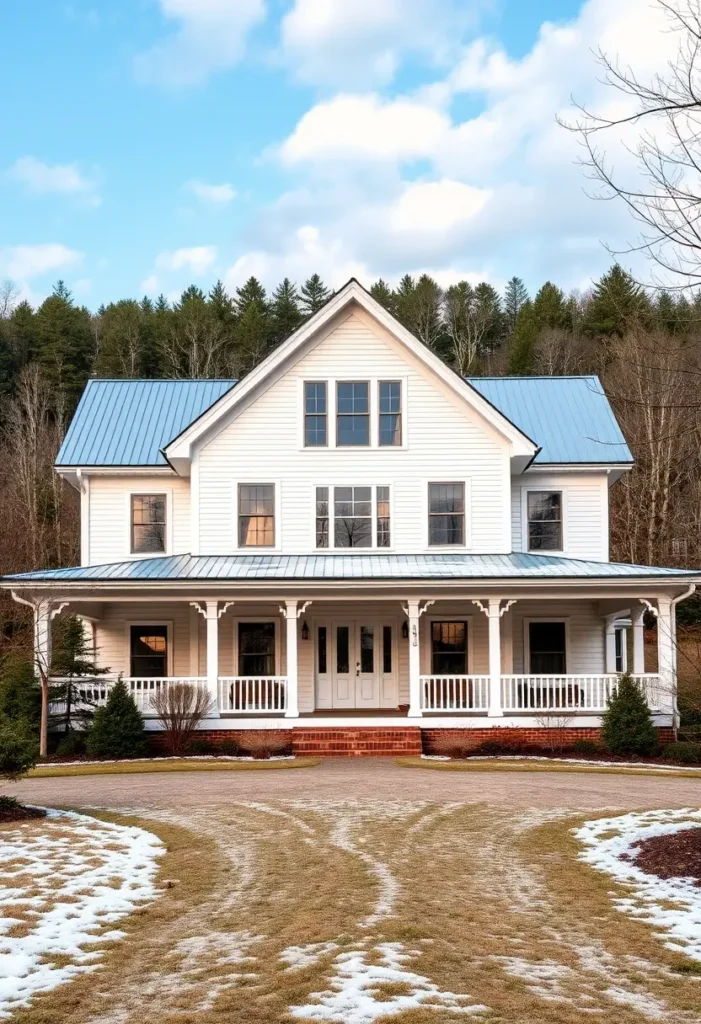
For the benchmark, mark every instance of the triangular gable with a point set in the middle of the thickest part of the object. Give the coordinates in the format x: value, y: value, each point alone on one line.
x: 178, y: 452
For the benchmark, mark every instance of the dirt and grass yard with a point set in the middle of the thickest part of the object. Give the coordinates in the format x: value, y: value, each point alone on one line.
x: 314, y: 901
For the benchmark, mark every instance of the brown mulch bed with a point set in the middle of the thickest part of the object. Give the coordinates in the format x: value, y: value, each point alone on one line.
x: 674, y: 856
x: 10, y: 810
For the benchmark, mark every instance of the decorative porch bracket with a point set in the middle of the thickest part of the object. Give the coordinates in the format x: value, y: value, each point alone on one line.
x: 211, y: 613
x: 292, y: 612
x: 494, y: 611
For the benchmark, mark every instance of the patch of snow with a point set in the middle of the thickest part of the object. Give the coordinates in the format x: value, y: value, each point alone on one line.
x: 148, y: 760
x: 83, y: 874
x: 355, y: 994
x: 671, y: 905
x: 299, y: 957
x: 590, y: 762
x: 543, y: 977
x: 389, y: 886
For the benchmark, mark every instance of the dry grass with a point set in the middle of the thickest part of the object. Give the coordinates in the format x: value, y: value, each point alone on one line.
x: 184, y: 765
x: 484, y: 905
x: 496, y: 765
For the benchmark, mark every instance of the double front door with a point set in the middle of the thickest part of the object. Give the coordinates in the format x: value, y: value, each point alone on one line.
x: 356, y: 664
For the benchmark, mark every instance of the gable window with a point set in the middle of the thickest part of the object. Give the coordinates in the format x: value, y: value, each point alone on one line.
x: 352, y: 522
x: 545, y: 521
x: 352, y: 414
x: 383, y: 534
x: 547, y: 648
x: 148, y: 651
x: 390, y: 412
x: 446, y: 513
x: 449, y: 648
x: 256, y: 649
x: 256, y: 515
x: 148, y: 523
x: 315, y: 414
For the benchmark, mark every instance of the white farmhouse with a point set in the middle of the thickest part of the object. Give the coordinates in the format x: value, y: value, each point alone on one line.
x: 356, y: 544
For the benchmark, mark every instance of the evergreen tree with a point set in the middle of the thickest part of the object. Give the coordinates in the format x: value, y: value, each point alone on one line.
x: 314, y: 294
x: 515, y: 295
x: 121, y: 348
x: 404, y: 299
x: 20, y: 694
x: 616, y: 304
x: 118, y: 728
x: 522, y: 345
x: 626, y: 726
x: 383, y: 294
x: 65, y: 345
x: 285, y: 313
x: 72, y: 661
x: 550, y: 308
x: 488, y: 311
x: 253, y: 328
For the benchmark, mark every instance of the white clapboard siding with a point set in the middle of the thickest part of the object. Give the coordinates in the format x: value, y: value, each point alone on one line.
x: 109, y: 503
x: 447, y: 441
x: 585, y: 502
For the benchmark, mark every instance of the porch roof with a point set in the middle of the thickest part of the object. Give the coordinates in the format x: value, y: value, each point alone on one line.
x: 269, y: 567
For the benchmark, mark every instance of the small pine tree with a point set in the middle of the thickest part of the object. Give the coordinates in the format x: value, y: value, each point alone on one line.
x: 118, y: 728
x: 627, y: 726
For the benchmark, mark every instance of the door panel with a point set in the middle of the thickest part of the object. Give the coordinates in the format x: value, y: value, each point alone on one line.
x: 367, y: 690
x: 344, y: 665
x: 324, y: 668
x: 356, y: 664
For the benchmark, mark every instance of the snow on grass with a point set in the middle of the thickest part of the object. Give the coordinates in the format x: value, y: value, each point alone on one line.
x: 62, y: 880
x: 671, y: 905
x: 589, y: 761
x: 148, y: 760
x: 373, y: 983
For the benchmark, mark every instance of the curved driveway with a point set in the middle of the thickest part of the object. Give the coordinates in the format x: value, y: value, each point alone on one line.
x: 362, y: 779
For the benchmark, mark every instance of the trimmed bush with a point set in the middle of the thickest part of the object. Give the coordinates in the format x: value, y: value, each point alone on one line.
x: 201, y: 746
x: 118, y: 728
x: 265, y: 743
x: 585, y: 748
x: 627, y: 726
x: 71, y: 744
x: 19, y: 749
x: 684, y: 753
x: 228, y: 747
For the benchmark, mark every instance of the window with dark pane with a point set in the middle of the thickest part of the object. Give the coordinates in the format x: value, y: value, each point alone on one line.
x: 449, y: 648
x: 148, y: 523
x: 322, y: 517
x: 352, y: 517
x: 383, y: 531
x: 367, y: 649
x: 545, y: 520
x: 386, y: 649
x: 342, y: 650
x: 256, y: 648
x: 352, y: 413
x: 446, y: 513
x: 546, y: 643
x: 390, y: 412
x: 315, y: 414
x: 321, y: 650
x: 256, y: 515
x: 148, y: 651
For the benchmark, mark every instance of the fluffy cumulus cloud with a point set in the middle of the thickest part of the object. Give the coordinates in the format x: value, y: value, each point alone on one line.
x: 208, y: 36
x: 40, y: 178
x: 23, y: 263
x: 197, y: 260
x: 217, y: 195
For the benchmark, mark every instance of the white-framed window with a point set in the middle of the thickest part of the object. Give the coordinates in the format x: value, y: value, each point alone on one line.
x: 447, y: 514
x: 256, y: 515
x: 352, y: 414
x: 545, y: 643
x: 257, y: 646
x: 150, y: 646
x: 389, y: 413
x: 544, y: 520
x: 449, y: 649
x: 352, y: 517
x: 316, y: 414
x: 148, y: 522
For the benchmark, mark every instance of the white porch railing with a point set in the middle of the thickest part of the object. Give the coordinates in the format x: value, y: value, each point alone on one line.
x: 550, y: 693
x: 143, y: 688
x: 454, y: 693
x: 253, y: 695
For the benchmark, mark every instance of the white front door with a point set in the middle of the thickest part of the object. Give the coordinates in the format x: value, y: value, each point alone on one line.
x: 356, y: 664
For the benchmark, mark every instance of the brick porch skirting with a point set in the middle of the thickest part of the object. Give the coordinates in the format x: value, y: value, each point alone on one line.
x: 513, y: 736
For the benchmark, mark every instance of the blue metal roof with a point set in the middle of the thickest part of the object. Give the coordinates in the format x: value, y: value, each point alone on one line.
x: 347, y: 567
x: 569, y: 417
x: 127, y: 422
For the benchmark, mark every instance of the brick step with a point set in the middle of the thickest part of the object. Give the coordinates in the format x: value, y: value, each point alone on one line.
x: 365, y: 741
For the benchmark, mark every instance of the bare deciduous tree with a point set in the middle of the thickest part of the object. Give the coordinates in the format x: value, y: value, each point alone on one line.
x: 180, y: 707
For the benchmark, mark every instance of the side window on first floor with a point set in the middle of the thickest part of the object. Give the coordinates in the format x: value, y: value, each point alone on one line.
x: 148, y: 651
x: 256, y: 649
x: 547, y: 648
x: 449, y: 648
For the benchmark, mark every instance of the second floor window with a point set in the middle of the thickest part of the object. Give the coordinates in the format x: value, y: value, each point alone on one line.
x: 315, y: 414
x: 446, y: 513
x: 545, y: 521
x: 256, y: 515
x: 390, y: 396
x: 344, y: 517
x: 383, y: 534
x: 148, y: 523
x: 352, y: 413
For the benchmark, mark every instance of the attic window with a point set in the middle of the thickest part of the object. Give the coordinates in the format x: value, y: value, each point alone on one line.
x: 352, y: 413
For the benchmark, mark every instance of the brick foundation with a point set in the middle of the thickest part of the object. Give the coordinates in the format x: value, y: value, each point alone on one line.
x: 370, y: 741
x: 512, y: 736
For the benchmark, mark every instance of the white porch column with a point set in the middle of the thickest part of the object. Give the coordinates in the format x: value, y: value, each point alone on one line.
x: 212, y: 619
x: 413, y: 614
x: 637, y: 617
x: 291, y: 617
x: 665, y: 650
x: 494, y: 620
x: 42, y: 638
x: 610, y: 645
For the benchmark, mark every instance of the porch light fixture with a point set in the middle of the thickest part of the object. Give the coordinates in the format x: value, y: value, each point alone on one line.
x: 405, y: 630
x: 305, y: 630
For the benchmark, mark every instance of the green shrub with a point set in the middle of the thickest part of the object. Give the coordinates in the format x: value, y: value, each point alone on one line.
x: 201, y: 747
x: 585, y: 748
x: 685, y: 753
x: 627, y: 726
x: 19, y: 748
x: 228, y: 747
x: 20, y: 693
x: 71, y: 744
x: 118, y: 728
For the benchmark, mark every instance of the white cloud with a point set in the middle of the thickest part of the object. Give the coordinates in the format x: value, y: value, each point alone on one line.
x: 150, y: 285
x: 25, y: 262
x: 218, y: 195
x: 436, y: 206
x: 66, y: 179
x: 210, y: 36
x: 305, y: 252
x: 197, y: 260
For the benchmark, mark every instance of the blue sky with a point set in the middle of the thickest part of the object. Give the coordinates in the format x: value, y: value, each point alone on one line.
x: 151, y: 143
